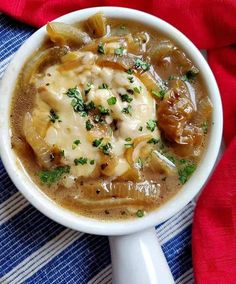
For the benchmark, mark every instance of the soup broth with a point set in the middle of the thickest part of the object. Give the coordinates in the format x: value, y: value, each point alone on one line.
x: 110, y: 118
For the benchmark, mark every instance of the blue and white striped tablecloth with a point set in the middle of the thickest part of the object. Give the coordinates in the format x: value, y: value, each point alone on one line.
x: 34, y: 249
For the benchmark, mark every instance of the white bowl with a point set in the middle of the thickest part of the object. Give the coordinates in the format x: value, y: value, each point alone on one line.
x: 85, y: 224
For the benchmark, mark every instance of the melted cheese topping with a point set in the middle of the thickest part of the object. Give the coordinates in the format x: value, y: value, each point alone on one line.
x: 79, y: 69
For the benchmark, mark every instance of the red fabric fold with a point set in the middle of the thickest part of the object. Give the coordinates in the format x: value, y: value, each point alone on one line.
x: 210, y: 25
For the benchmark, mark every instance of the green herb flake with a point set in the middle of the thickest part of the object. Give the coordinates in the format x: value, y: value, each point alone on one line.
x: 130, y: 71
x: 153, y: 141
x: 127, y: 110
x: 159, y: 95
x: 140, y: 213
x: 89, y: 125
x: 80, y: 161
x: 129, y: 145
x: 151, y: 125
x: 204, y: 127
x: 140, y: 129
x: 62, y: 153
x: 53, y: 116
x: 131, y: 79
x: 139, y: 163
x: 137, y: 90
x: 106, y: 148
x: 140, y: 64
x: 128, y: 139
x: 172, y: 77
x: 77, y: 101
x: 49, y: 177
x: 103, y: 86
x: 97, y: 142
x: 186, y: 172
x: 111, y: 101
x: 119, y: 51
x: 92, y: 162
x: 101, y: 48
x: 126, y: 98
x: 77, y: 142
x: 97, y: 118
x: 103, y: 110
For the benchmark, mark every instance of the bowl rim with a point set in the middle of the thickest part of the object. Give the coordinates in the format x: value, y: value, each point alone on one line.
x: 95, y: 226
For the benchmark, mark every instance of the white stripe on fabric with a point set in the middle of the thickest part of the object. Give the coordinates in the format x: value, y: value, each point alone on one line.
x: 176, y: 227
x: 4, y: 63
x: 103, y: 276
x: 12, y: 206
x: 183, y: 216
x: 186, y: 278
x: 41, y: 257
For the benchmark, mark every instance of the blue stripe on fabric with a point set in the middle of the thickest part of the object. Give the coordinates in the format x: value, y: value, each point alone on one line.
x: 12, y: 35
x: 7, y: 188
x: 78, y: 263
x: 24, y: 234
x: 178, y: 252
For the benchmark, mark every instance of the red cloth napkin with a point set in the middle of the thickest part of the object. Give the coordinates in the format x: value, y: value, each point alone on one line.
x: 210, y: 25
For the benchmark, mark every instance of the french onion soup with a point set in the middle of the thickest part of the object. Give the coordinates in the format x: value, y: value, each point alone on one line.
x: 109, y: 117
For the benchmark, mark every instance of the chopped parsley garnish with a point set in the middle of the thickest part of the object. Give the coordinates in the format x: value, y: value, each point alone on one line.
x: 204, y: 127
x: 103, y: 86
x: 111, y: 101
x: 186, y: 172
x: 89, y: 106
x: 77, y: 142
x: 106, y: 148
x: 140, y: 128
x: 172, y: 77
x: 80, y: 161
x: 88, y: 88
x: 129, y: 145
x: 92, y: 162
x: 101, y: 48
x: 53, y: 116
x: 77, y: 101
x: 140, y: 213
x: 131, y: 79
x: 119, y: 51
x: 127, y: 110
x: 159, y: 95
x: 126, y: 98
x: 128, y: 139
x: 97, y: 118
x: 137, y: 90
x: 129, y: 71
x: 151, y: 125
x: 140, y: 64
x: 153, y: 141
x: 89, y: 125
x: 139, y: 163
x: 51, y: 176
x: 97, y: 142
x: 103, y: 110
x: 62, y: 153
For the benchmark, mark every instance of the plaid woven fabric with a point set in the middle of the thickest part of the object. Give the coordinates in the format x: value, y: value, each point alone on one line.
x: 34, y: 249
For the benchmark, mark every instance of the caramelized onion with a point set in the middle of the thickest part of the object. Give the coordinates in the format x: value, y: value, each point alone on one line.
x: 40, y: 58
x: 62, y: 33
x: 37, y: 143
x: 97, y: 24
